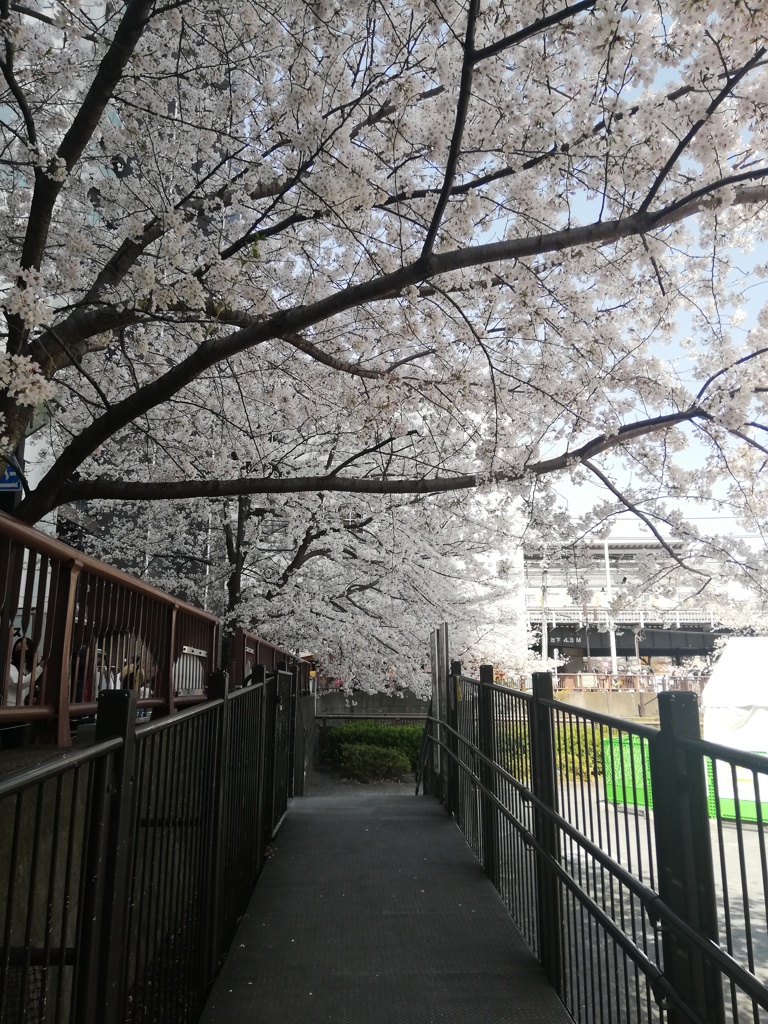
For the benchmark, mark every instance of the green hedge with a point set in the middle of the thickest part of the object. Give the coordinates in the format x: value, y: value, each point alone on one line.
x: 369, y: 763
x: 405, y: 738
x: 578, y: 751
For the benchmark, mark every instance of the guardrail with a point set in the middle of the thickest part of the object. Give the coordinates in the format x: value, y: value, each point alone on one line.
x: 72, y: 627
x: 125, y: 867
x: 633, y: 859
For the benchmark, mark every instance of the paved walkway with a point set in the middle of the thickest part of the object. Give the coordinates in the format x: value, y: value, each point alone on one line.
x: 372, y: 910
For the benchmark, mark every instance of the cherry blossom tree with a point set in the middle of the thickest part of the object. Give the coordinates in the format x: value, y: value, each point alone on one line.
x: 393, y: 250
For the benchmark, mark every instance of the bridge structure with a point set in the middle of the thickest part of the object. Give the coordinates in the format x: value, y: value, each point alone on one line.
x: 559, y: 864
x: 644, y: 630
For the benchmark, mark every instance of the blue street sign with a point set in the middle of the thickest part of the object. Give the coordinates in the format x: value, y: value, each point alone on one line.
x: 10, y: 481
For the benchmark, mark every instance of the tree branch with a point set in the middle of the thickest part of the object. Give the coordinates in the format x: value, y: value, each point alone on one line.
x: 386, y: 286
x: 462, y: 108
x: 727, y: 89
x: 74, y: 490
x: 534, y: 29
x: 627, y: 503
x: 78, y: 135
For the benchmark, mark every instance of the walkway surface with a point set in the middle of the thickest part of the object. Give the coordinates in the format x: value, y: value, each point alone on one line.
x: 373, y: 910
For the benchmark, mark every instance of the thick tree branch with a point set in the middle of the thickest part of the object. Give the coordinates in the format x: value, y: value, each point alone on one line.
x: 376, y: 290
x: 534, y: 29
x: 78, y: 135
x: 170, y: 490
x: 462, y: 108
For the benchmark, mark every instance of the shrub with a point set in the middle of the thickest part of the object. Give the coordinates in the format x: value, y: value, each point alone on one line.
x: 405, y: 738
x: 367, y: 762
x: 512, y: 750
x: 578, y: 750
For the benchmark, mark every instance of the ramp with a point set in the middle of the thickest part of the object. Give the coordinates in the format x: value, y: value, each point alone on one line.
x: 373, y: 910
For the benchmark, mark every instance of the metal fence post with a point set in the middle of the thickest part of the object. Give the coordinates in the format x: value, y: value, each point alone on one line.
x: 270, y: 753
x: 292, y: 725
x: 218, y: 689
x: 435, y: 770
x: 452, y: 801
x: 487, y: 744
x: 259, y: 679
x: 443, y: 684
x: 100, y: 995
x: 542, y: 745
x: 684, y: 854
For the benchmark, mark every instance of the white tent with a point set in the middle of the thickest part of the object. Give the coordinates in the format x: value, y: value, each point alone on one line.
x: 735, y: 700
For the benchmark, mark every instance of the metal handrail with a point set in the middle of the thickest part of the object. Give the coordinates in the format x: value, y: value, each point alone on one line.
x: 652, y: 903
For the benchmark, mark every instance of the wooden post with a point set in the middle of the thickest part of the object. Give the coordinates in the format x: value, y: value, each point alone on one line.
x: 59, y: 666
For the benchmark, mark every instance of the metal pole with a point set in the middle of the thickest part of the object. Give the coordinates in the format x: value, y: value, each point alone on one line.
x: 544, y: 787
x: 116, y: 717
x: 544, y: 623
x: 609, y: 597
x: 452, y: 804
x: 487, y: 746
x: 684, y: 856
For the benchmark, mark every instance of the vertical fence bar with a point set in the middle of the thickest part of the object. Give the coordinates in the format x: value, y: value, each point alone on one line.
x: 487, y: 775
x: 102, y: 996
x: 435, y: 761
x: 292, y: 724
x: 452, y: 796
x: 218, y: 690
x: 684, y: 854
x: 259, y: 678
x: 442, y: 686
x: 550, y: 926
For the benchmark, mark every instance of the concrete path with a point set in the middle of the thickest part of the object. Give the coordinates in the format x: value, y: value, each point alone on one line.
x: 373, y: 910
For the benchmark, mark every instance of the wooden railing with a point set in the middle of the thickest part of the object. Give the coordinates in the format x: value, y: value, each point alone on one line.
x: 72, y: 626
x: 249, y: 650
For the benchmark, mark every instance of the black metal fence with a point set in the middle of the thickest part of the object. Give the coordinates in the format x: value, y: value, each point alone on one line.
x: 125, y: 867
x: 633, y: 859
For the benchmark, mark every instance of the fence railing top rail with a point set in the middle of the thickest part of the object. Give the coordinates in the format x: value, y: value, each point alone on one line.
x: 717, y: 751
x: 29, y: 775
x: 155, y: 725
x: 611, y: 721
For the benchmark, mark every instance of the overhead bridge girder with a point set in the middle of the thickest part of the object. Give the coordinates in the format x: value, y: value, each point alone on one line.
x: 653, y: 642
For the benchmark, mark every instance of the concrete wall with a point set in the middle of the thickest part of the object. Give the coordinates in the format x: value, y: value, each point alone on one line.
x: 619, y: 703
x: 334, y: 708
x: 370, y: 705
